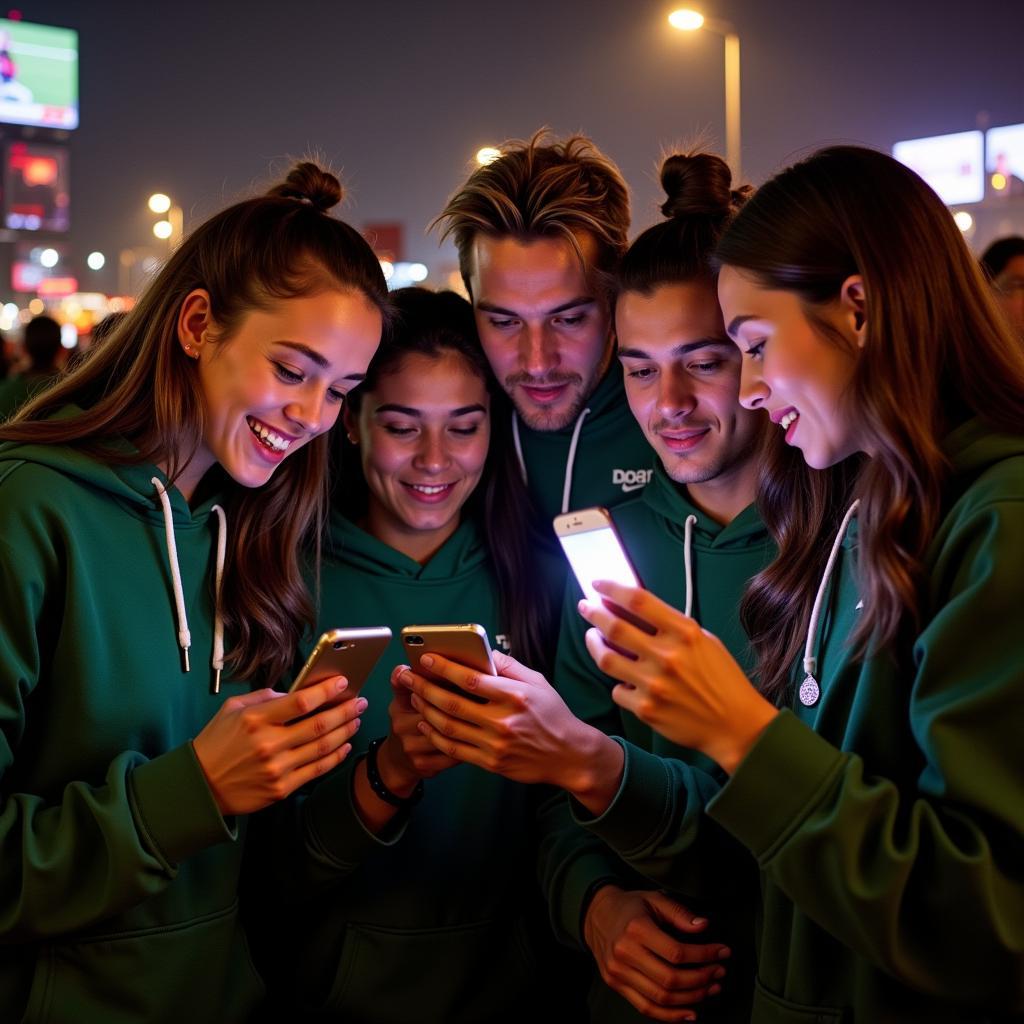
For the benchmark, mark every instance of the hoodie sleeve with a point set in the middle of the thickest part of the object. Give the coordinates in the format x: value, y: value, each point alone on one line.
x: 83, y: 850
x: 924, y: 879
x: 648, y: 834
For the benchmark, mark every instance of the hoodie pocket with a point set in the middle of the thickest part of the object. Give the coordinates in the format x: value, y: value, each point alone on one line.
x: 459, y: 975
x: 198, y: 972
x: 772, y: 1009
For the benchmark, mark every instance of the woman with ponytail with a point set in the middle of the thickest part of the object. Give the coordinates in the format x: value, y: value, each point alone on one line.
x: 874, y: 756
x: 152, y: 504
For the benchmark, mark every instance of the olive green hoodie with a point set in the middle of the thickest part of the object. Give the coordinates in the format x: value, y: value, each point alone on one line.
x: 603, y: 458
x: 888, y: 816
x: 723, y: 558
x: 439, y: 918
x: 118, y: 874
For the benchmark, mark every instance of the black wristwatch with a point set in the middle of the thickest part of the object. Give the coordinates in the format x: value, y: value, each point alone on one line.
x: 377, y: 783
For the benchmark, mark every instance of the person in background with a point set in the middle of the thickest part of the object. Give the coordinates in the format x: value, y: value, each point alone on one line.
x: 42, y: 349
x: 420, y: 898
x: 875, y: 766
x: 539, y: 234
x: 152, y: 504
x: 1003, y: 262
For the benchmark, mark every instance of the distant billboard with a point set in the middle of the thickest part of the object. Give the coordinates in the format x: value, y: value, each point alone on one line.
x: 38, y: 75
x: 42, y: 268
x: 36, y: 196
x: 1004, y: 151
x: 954, y: 165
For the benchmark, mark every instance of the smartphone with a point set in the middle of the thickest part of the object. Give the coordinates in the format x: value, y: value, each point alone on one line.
x: 594, y: 549
x: 351, y: 653
x: 466, y: 643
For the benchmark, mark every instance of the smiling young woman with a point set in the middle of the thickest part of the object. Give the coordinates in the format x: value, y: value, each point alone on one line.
x: 151, y: 506
x: 878, y: 779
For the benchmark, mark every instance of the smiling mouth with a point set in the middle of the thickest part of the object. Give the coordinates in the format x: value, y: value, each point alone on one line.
x: 683, y: 442
x: 268, y: 438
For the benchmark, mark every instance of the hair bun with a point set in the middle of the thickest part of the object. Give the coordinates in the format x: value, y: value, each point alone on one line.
x: 309, y: 183
x: 699, y: 185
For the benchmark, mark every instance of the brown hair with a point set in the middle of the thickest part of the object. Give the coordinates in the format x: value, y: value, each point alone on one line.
x: 542, y: 191
x: 700, y: 202
x: 936, y: 353
x: 137, y: 385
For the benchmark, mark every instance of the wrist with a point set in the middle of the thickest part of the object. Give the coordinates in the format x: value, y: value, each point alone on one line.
x: 593, y: 773
x: 399, y: 779
x: 598, y: 897
x: 745, y: 731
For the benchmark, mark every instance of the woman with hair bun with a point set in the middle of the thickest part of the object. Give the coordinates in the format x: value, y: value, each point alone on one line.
x: 874, y: 756
x: 152, y: 503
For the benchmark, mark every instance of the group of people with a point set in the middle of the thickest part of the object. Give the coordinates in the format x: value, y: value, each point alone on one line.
x: 779, y: 781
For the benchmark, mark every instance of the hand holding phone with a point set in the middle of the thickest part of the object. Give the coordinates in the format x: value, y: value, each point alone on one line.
x: 351, y: 653
x: 465, y: 643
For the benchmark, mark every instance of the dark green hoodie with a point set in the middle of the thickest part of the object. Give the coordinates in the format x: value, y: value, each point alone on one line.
x: 118, y: 875
x: 653, y: 529
x: 888, y: 818
x: 610, y: 462
x: 439, y: 918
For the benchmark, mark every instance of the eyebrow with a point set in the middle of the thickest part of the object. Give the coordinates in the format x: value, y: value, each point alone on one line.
x: 679, y: 350
x: 582, y: 300
x: 407, y: 410
x: 316, y: 357
x: 737, y: 322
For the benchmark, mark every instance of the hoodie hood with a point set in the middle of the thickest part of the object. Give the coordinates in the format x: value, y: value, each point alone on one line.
x: 973, y: 448
x: 670, y: 501
x: 462, y: 554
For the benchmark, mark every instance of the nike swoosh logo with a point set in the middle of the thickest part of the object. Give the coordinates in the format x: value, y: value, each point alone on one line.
x: 626, y: 488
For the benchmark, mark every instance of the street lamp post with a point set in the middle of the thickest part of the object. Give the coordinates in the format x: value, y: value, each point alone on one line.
x: 689, y: 21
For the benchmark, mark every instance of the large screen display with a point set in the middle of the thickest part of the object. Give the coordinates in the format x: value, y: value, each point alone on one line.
x: 36, y: 194
x: 952, y: 164
x: 1005, y: 150
x: 38, y: 75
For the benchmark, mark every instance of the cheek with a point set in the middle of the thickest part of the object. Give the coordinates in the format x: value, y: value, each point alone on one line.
x: 380, y: 457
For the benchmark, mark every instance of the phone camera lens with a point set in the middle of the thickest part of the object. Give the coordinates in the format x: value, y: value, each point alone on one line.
x: 340, y: 645
x: 415, y: 640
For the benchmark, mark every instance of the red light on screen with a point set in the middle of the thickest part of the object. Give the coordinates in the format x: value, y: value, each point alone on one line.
x: 39, y: 170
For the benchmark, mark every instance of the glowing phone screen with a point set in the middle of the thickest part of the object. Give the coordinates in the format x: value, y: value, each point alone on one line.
x: 597, y: 555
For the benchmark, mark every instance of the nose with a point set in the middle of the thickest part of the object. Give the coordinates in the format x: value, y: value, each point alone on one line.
x: 537, y: 351
x: 754, y: 391
x: 675, y: 393
x: 307, y: 411
x: 432, y: 453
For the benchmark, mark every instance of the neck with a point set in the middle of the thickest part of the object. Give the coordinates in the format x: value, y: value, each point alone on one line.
x: 725, y: 496
x: 188, y: 480
x: 419, y: 545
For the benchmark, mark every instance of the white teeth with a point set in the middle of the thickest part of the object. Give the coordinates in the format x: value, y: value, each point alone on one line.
x: 788, y: 419
x: 273, y: 441
x: 426, y: 489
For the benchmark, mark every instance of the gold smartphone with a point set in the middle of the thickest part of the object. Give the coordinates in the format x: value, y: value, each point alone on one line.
x: 351, y: 653
x: 465, y: 643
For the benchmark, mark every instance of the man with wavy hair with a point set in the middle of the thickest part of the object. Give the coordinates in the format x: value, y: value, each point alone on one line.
x: 539, y: 233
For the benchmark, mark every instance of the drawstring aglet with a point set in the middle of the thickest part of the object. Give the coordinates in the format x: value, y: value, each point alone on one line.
x: 215, y: 688
x: 184, y: 660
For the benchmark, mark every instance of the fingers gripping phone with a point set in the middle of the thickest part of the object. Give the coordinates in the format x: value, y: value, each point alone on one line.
x: 351, y: 653
x: 465, y: 643
x: 594, y: 549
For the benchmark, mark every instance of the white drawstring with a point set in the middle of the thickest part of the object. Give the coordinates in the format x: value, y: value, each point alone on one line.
x: 691, y: 521
x: 571, y: 459
x: 184, y: 637
x: 809, y: 689
x: 518, y: 443
x: 218, y: 616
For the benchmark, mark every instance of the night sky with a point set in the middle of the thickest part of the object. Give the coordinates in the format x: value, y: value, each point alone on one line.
x: 204, y: 101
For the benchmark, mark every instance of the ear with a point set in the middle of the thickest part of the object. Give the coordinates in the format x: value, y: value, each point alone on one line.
x: 194, y: 321
x: 853, y: 301
x: 350, y: 422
